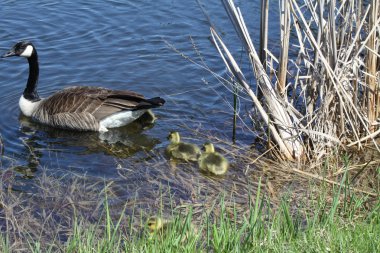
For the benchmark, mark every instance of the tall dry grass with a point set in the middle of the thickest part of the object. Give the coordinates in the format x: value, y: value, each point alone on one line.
x: 325, y: 93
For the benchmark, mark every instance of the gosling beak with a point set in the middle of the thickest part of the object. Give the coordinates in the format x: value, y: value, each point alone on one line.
x: 9, y: 54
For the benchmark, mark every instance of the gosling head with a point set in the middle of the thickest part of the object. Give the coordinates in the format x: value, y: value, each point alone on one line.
x: 155, y: 223
x: 209, y: 147
x: 22, y: 48
x: 174, y: 137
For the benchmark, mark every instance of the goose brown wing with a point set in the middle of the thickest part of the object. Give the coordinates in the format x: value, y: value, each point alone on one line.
x: 85, y: 99
x: 94, y: 101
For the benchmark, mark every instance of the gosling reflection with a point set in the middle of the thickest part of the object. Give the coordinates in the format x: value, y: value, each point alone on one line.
x: 118, y: 142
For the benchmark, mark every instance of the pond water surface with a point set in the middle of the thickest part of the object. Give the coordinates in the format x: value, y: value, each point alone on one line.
x: 118, y: 45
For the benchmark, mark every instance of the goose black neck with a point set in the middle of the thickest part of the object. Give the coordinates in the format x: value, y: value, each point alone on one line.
x: 30, y: 91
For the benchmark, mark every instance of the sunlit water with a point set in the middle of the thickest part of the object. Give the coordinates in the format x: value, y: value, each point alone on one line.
x: 118, y: 45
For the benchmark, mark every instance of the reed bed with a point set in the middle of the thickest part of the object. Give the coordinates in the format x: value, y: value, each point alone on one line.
x: 325, y: 90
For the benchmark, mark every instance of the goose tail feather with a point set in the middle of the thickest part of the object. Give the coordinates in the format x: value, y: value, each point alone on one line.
x: 156, y: 101
x: 150, y: 103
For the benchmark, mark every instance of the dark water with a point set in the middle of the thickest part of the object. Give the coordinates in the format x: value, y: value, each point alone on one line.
x: 119, y: 45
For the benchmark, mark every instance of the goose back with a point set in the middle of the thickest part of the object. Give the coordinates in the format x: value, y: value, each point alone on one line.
x: 83, y: 107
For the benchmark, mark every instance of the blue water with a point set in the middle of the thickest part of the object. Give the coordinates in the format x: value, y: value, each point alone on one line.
x: 118, y: 45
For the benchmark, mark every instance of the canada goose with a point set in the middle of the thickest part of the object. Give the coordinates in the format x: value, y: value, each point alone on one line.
x: 181, y: 150
x: 212, y: 161
x: 78, y: 108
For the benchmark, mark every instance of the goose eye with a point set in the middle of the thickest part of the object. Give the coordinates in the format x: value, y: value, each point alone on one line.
x: 19, y: 48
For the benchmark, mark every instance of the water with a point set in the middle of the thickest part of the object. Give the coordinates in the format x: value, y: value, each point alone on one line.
x: 118, y: 45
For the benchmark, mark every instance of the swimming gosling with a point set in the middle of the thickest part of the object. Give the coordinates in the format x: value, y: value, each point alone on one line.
x: 182, y: 150
x: 211, y: 161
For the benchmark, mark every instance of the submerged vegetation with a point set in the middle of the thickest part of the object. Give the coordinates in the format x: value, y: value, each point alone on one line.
x: 258, y: 205
x: 75, y: 217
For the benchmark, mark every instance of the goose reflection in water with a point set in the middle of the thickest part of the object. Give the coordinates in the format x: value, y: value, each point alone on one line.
x: 120, y: 142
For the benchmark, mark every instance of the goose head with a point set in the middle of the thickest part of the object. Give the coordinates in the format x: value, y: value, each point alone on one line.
x: 22, y: 48
x: 30, y: 99
x: 209, y: 147
x: 174, y: 137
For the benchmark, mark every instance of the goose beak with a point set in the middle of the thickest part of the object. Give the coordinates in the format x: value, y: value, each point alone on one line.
x: 9, y: 54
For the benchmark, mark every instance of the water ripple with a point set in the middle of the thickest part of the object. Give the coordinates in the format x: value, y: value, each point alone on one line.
x: 115, y: 44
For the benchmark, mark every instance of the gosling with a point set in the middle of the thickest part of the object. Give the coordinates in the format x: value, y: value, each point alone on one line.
x: 155, y: 224
x: 162, y: 227
x: 182, y: 150
x: 211, y: 161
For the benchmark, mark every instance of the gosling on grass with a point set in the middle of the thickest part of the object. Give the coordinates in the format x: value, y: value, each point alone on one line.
x: 181, y: 150
x: 157, y: 225
x: 211, y: 161
x: 161, y: 227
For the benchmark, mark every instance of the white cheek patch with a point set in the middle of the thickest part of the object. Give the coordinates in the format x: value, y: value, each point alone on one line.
x: 27, y: 52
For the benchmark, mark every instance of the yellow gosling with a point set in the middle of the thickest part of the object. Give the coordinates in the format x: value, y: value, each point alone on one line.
x: 211, y: 161
x: 160, y: 227
x: 181, y: 150
x: 155, y: 223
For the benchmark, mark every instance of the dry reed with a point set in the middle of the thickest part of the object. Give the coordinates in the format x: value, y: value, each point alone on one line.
x: 332, y: 99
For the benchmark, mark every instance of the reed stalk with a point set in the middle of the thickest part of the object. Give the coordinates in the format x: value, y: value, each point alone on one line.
x: 263, y: 38
x: 312, y: 89
x: 235, y: 70
x: 371, y: 64
x: 235, y: 112
x: 284, y: 54
x: 281, y: 124
x: 264, y: 32
x: 284, y: 135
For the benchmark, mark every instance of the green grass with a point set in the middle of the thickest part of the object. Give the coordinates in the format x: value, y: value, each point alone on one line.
x: 343, y: 225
